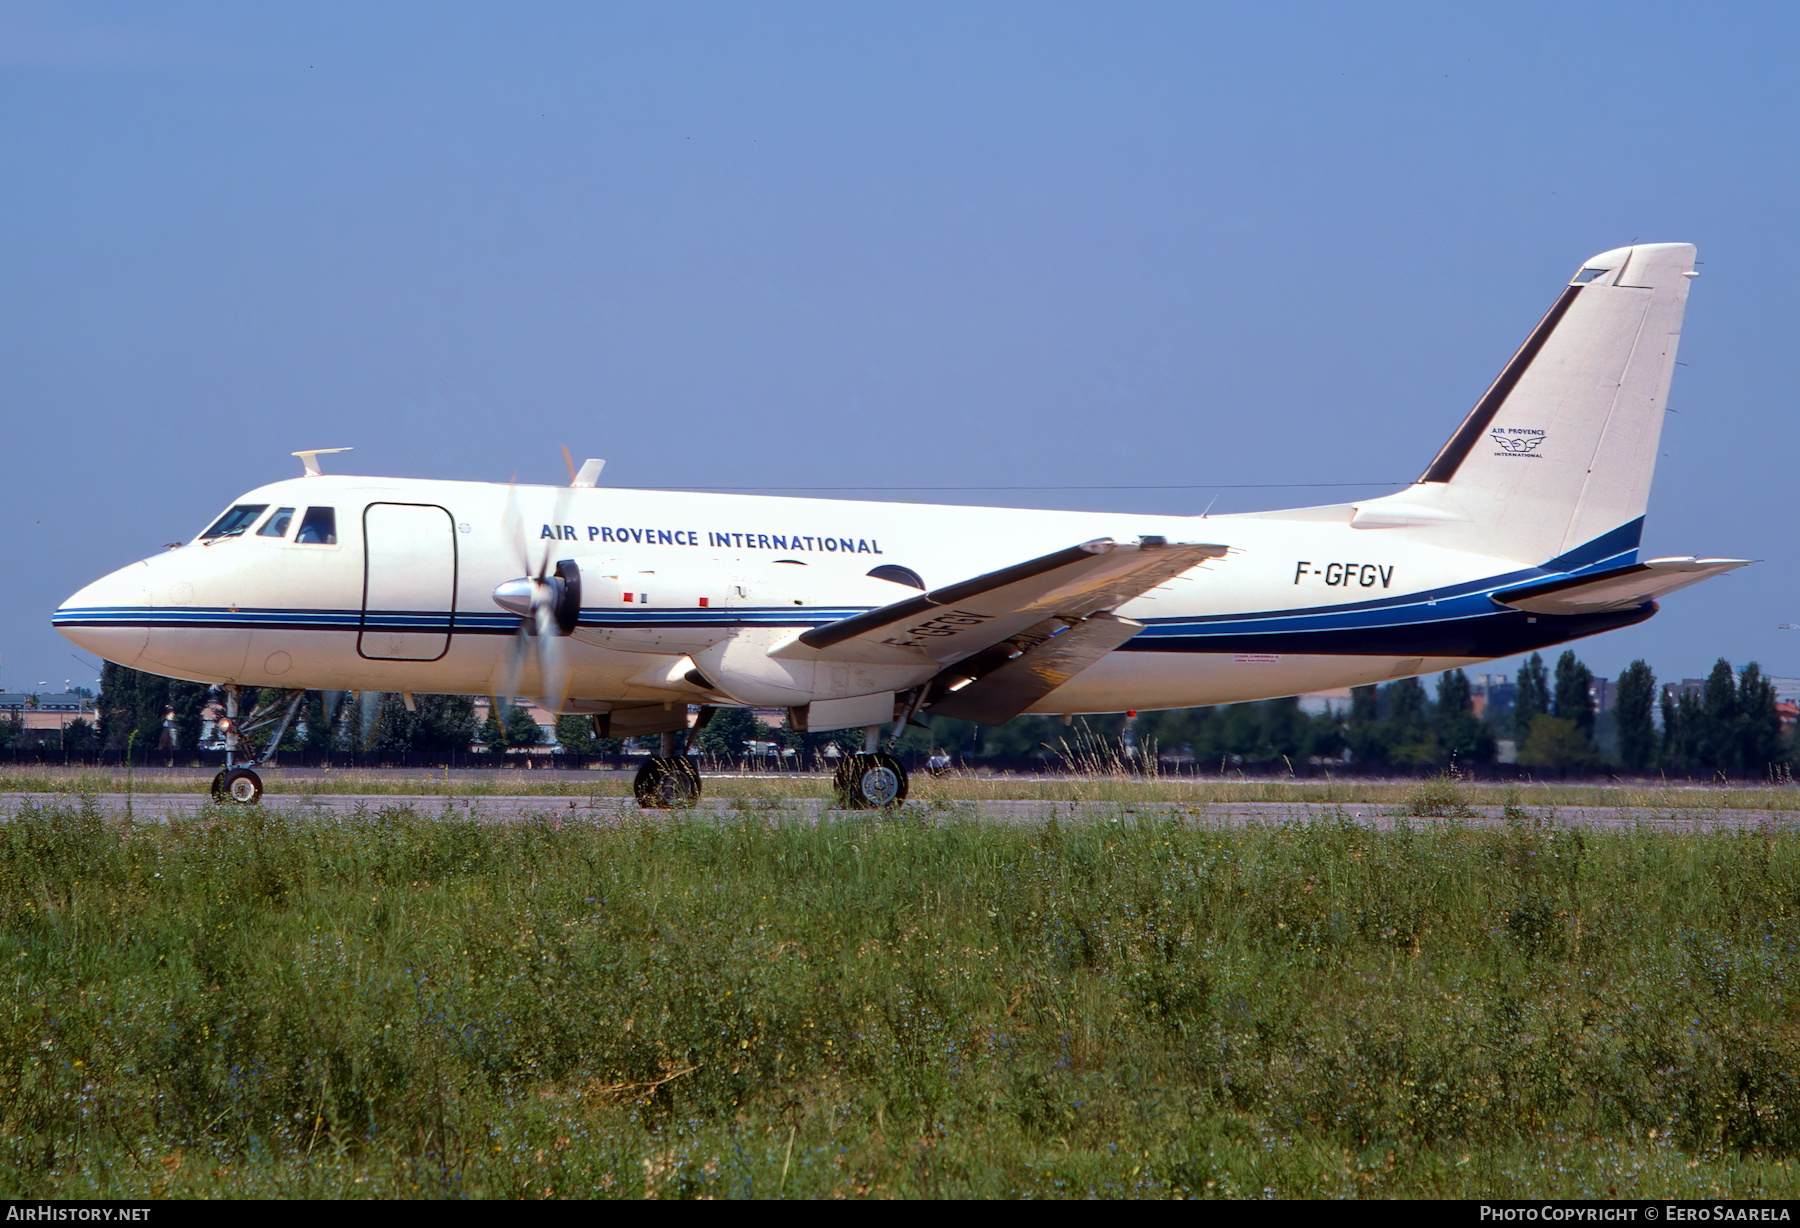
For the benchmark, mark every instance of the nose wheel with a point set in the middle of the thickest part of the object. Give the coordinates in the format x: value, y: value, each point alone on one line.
x: 666, y: 782
x: 870, y: 782
x: 239, y: 786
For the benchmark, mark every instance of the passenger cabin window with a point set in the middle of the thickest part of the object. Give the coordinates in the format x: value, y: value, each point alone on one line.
x: 235, y: 521
x: 319, y: 528
x: 277, y: 525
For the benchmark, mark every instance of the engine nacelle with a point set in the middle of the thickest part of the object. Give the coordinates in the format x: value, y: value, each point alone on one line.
x: 739, y: 667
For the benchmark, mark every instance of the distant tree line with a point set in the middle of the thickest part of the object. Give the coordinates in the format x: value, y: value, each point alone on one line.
x: 1729, y: 727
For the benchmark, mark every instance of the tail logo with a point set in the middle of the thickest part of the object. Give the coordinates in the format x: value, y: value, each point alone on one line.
x: 1516, y: 441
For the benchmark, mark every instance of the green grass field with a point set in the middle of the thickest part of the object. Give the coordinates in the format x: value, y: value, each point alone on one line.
x: 397, y: 1004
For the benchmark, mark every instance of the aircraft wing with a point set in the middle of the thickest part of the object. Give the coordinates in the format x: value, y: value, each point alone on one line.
x: 957, y: 621
x: 1620, y: 588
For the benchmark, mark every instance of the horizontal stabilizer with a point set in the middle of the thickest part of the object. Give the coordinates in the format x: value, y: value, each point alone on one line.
x: 1618, y: 589
x: 996, y: 697
x: 950, y: 623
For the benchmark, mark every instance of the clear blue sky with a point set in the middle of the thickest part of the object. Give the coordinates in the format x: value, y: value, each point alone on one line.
x: 843, y: 244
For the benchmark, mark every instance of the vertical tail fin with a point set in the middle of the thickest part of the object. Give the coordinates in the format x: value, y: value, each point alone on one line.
x: 1555, y: 460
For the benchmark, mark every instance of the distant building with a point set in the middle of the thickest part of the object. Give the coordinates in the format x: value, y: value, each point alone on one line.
x: 1604, y: 695
x: 1492, y: 695
x: 1789, y: 712
x: 1673, y: 691
x: 45, y: 711
x: 1787, y: 690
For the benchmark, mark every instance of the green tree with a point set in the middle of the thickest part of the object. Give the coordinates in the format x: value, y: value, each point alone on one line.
x: 1637, y: 730
x: 1716, y: 736
x: 438, y: 723
x: 131, y: 700
x: 1557, y: 742
x: 1364, y: 731
x: 521, y: 728
x: 728, y: 730
x: 188, y: 699
x: 1411, y: 740
x: 1759, y: 726
x: 1462, y: 734
x: 576, y: 734
x: 78, y: 737
x: 1574, y: 697
x: 1533, y: 699
x: 1683, y: 718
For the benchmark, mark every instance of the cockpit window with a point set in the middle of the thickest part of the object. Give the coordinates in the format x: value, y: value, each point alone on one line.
x: 235, y: 521
x: 319, y: 528
x: 1586, y: 275
x: 277, y: 525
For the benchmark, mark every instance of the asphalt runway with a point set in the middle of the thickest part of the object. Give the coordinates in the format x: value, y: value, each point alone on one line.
x: 161, y: 807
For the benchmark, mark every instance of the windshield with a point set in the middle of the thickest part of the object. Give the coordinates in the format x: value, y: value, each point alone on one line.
x: 277, y: 525
x: 235, y: 521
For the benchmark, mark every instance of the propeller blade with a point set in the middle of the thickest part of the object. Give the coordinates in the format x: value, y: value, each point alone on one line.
x: 512, y: 526
x: 556, y: 517
x: 509, y: 678
x: 569, y: 461
x: 553, y: 670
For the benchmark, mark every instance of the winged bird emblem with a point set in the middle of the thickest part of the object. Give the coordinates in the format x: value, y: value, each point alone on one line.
x: 1519, y: 443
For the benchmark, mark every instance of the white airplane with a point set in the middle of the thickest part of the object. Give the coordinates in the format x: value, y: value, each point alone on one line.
x: 637, y: 607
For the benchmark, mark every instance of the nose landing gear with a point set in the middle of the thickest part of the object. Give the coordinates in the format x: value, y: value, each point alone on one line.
x: 238, y: 784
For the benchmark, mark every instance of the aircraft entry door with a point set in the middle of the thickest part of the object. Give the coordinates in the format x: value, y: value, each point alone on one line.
x: 409, y: 582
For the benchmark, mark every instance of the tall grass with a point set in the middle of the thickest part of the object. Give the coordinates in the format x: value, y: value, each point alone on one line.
x: 401, y: 1004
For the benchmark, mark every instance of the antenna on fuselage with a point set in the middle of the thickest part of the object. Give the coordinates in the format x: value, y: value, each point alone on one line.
x: 590, y: 469
x: 310, y: 459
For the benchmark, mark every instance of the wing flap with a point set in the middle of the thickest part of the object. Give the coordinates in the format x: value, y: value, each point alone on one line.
x: 1620, y: 588
x: 1002, y: 693
x: 950, y: 623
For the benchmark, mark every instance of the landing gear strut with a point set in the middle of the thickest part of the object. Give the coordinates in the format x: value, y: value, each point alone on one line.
x: 668, y: 780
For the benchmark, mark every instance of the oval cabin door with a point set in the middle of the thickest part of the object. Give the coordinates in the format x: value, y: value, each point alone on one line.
x: 409, y: 582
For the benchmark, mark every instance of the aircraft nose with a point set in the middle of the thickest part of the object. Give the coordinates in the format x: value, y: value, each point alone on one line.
x: 109, y: 617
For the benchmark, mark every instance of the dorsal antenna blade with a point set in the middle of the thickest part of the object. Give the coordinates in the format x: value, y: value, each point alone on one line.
x: 310, y: 459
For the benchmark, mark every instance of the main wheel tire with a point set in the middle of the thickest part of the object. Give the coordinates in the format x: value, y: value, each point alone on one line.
x: 870, y: 782
x: 666, y: 782
x: 241, y: 786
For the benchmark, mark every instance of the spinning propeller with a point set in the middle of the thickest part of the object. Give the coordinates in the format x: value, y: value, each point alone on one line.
x: 547, y: 600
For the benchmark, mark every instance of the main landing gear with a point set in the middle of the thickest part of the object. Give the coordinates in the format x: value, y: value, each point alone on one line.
x: 869, y: 781
x: 667, y: 781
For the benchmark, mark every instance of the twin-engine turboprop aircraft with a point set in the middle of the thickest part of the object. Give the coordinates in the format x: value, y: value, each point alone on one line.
x: 638, y: 606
